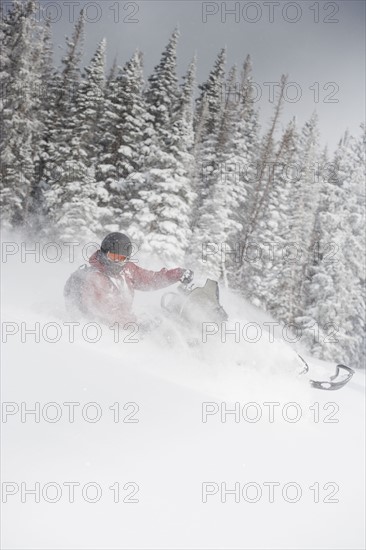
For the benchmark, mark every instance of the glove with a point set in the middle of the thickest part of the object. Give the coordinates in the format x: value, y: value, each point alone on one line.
x: 187, y: 276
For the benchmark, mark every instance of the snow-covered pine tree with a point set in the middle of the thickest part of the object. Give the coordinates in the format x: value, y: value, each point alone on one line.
x: 5, y: 52
x: 184, y: 116
x: 172, y: 196
x: 239, y: 166
x: 305, y: 200
x: 75, y: 197
x: 126, y: 132
x: 105, y: 169
x: 106, y: 126
x: 208, y: 125
x: 78, y: 216
x: 164, y: 203
x: 267, y: 157
x: 162, y: 93
x: 60, y: 126
x: 223, y: 210
x: 323, y: 306
x: 285, y: 252
x: 334, y: 313
x: 297, y: 238
x: 207, y: 122
x: 254, y: 250
x: 71, y: 74
x: 20, y: 125
x: 249, y: 119
x: 354, y: 252
x: 7, y: 25
x: 267, y: 269
x: 90, y: 100
x: 44, y: 110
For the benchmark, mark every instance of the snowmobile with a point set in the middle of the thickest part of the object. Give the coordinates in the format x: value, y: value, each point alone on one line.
x: 191, y: 306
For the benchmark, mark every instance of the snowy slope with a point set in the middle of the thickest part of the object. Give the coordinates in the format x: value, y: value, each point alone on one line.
x: 170, y: 453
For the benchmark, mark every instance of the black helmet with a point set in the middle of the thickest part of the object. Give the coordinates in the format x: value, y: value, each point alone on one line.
x: 117, y: 243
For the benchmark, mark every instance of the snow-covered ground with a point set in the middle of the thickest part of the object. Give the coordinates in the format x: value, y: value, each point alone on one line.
x: 168, y: 446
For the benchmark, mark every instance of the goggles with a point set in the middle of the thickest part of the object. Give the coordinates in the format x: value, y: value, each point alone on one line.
x: 116, y: 257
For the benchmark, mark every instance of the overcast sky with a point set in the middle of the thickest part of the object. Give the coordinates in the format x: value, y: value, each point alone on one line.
x: 320, y: 45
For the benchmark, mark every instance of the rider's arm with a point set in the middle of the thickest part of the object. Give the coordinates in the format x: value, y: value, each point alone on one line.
x: 143, y: 279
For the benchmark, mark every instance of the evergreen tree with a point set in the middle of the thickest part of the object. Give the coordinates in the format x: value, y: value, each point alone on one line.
x: 334, y: 312
x: 258, y: 204
x: 20, y: 125
x: 126, y: 132
x: 267, y: 160
x: 105, y: 167
x: 250, y: 159
x: 356, y: 245
x: 90, y: 99
x: 44, y: 111
x: 267, y: 275
x: 163, y: 93
x: 223, y: 209
x: 71, y: 74
x: 73, y: 200
x: 60, y: 124
x: 305, y: 201
x: 208, y: 124
x: 165, y: 202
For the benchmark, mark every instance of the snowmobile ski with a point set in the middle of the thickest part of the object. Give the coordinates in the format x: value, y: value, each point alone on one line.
x: 335, y: 382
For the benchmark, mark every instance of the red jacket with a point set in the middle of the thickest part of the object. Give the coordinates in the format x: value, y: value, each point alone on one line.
x: 109, y: 298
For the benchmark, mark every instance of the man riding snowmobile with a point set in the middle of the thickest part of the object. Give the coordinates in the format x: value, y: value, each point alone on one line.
x: 104, y: 290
